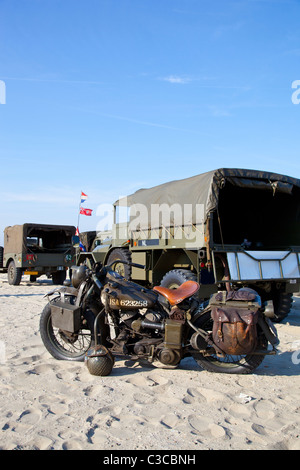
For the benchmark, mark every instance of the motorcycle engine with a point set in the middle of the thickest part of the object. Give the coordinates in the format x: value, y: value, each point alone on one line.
x: 165, y: 342
x: 143, y: 319
x: 143, y: 330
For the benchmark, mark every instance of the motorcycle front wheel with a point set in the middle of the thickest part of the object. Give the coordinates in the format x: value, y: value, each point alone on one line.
x: 63, y: 345
x: 229, y: 364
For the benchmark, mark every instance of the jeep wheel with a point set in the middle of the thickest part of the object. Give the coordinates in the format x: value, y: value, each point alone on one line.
x: 59, y: 277
x: 121, y: 254
x: 14, y: 274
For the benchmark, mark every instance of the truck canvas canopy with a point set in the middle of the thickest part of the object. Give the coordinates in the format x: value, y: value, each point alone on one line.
x: 206, y: 188
x: 251, y: 216
x: 258, y: 206
x: 53, y: 236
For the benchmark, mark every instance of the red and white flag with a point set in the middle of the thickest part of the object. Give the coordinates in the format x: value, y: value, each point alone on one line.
x: 86, y: 211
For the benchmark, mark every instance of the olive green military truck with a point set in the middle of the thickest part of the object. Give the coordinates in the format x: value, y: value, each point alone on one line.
x: 226, y: 229
x: 36, y: 249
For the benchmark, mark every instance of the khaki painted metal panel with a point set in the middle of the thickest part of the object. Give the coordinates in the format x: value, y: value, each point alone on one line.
x: 139, y: 258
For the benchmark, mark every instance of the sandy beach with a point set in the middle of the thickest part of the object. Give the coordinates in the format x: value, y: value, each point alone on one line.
x: 48, y: 404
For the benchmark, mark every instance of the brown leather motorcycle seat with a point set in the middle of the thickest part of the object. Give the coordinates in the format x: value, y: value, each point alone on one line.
x: 175, y: 296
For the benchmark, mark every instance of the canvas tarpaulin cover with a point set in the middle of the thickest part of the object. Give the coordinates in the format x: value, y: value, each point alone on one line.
x: 15, y: 237
x: 204, y: 189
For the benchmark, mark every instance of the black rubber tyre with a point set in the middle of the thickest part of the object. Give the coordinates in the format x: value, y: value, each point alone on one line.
x: 122, y: 254
x: 282, y: 306
x: 57, y: 343
x: 1, y: 256
x: 230, y: 364
x: 59, y: 277
x: 176, y: 277
x: 14, y: 274
x: 71, y: 348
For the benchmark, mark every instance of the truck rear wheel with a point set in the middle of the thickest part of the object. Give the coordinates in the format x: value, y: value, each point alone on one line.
x: 282, y: 306
x: 1, y: 256
x: 14, y: 274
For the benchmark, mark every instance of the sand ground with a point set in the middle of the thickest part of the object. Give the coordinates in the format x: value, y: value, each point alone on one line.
x: 49, y: 404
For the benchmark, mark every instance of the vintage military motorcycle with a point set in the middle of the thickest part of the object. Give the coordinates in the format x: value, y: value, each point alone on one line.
x: 104, y: 315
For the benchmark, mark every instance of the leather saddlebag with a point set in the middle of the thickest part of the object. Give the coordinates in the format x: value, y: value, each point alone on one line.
x: 235, y: 316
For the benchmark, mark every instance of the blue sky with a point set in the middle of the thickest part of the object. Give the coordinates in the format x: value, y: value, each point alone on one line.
x: 108, y: 96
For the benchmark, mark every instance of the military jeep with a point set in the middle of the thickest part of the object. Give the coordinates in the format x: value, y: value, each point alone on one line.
x: 37, y: 249
x: 226, y: 229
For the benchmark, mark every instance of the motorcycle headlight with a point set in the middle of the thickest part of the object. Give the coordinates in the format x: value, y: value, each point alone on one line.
x: 79, y: 274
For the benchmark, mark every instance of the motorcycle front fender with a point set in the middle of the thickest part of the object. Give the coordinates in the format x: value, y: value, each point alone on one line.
x: 62, y: 291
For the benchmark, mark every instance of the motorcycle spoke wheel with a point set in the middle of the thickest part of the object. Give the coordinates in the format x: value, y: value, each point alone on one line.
x: 71, y: 347
x: 62, y: 345
x: 230, y: 364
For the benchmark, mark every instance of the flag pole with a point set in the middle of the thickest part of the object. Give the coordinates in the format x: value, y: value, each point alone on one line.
x: 81, y: 210
x: 79, y: 213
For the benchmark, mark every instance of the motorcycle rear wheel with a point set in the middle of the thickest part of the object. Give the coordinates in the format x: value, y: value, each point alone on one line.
x: 61, y: 345
x: 229, y: 364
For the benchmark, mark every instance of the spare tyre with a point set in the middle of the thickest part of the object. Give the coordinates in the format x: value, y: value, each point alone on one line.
x: 176, y: 277
x: 122, y: 254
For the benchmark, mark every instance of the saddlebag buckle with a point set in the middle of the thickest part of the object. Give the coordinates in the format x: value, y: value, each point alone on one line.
x: 66, y: 317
